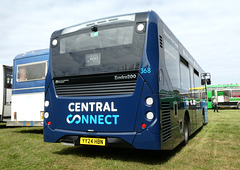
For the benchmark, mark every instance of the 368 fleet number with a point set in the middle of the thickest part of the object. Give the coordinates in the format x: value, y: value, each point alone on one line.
x: 145, y: 70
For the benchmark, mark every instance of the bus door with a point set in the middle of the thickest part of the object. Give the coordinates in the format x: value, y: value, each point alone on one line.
x: 226, y: 95
x: 220, y: 97
x: 7, y: 93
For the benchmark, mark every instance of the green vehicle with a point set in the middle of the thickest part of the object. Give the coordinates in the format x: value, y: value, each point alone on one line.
x: 228, y: 96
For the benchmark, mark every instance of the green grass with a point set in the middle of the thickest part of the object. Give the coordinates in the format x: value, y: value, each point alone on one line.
x: 216, y: 146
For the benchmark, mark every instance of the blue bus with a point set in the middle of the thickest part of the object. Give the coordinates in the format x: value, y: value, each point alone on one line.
x: 29, y: 72
x: 122, y: 81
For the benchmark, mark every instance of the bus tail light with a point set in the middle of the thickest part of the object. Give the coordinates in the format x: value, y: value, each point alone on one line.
x: 15, y: 115
x: 41, y: 115
x: 49, y: 123
x: 144, y: 125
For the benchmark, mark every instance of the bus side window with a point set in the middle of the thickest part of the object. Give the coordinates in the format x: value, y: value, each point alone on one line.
x: 22, y: 72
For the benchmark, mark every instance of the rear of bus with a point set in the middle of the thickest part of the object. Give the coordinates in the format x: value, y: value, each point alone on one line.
x: 102, y: 83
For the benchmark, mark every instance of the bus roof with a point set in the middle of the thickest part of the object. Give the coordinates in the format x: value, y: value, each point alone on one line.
x: 32, y: 53
x: 216, y: 86
x: 117, y: 18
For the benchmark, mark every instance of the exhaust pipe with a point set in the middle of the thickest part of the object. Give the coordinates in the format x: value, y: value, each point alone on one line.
x: 68, y: 142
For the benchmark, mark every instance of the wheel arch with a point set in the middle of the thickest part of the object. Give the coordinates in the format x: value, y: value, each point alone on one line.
x: 238, y: 105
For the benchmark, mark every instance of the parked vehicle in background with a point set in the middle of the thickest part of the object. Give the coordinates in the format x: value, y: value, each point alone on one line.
x: 228, y: 96
x: 5, y: 92
x: 29, y: 71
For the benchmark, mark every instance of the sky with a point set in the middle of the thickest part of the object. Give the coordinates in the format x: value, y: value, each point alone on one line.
x: 209, y: 29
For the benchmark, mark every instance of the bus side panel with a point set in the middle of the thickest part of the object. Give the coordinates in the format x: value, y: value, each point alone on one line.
x: 173, y: 108
x: 189, y: 103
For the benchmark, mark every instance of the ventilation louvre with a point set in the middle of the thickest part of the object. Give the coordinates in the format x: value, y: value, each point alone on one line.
x: 166, y: 121
x: 96, y: 89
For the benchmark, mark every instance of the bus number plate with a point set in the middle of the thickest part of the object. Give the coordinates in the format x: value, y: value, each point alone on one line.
x: 92, y: 141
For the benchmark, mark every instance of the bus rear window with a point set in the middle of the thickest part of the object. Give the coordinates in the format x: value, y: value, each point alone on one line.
x: 110, y: 49
x: 97, y: 40
x: 30, y: 72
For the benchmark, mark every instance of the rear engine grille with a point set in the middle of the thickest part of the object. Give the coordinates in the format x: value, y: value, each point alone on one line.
x: 166, y: 121
x: 96, y: 89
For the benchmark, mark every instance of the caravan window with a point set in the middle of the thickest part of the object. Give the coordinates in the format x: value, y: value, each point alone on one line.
x: 32, y: 71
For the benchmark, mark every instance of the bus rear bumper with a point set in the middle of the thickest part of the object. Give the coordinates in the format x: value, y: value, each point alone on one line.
x: 24, y: 123
x: 70, y: 137
x: 143, y: 140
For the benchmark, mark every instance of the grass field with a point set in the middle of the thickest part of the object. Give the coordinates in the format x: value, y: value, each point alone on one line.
x: 216, y: 146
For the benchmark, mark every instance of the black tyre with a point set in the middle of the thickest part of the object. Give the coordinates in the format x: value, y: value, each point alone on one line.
x: 238, y: 106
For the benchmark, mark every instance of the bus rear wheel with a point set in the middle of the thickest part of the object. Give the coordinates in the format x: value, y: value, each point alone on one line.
x: 238, y: 106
